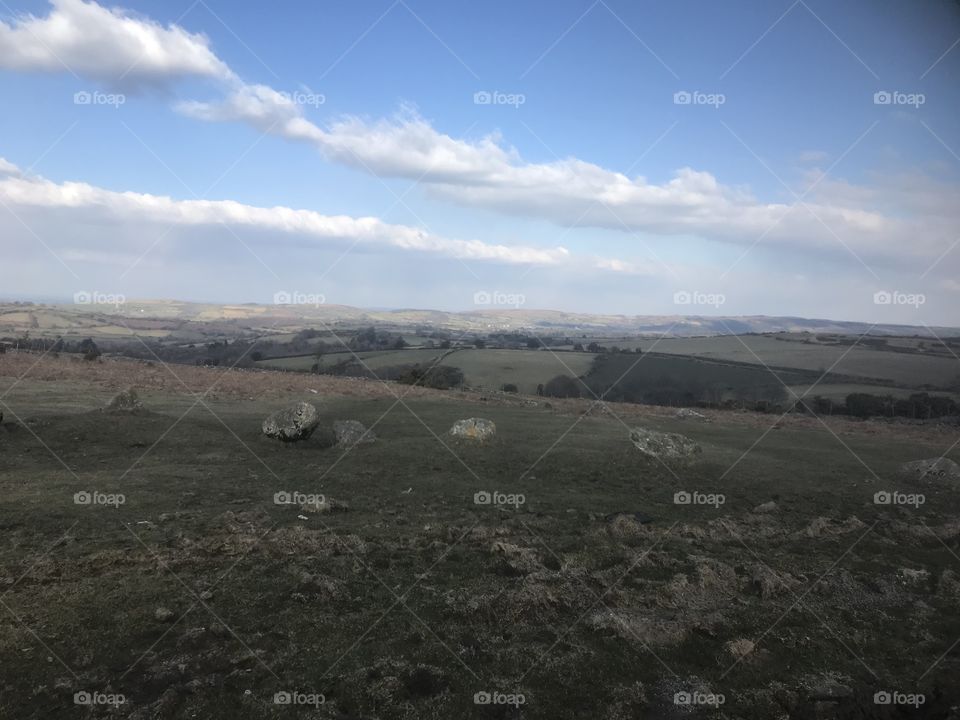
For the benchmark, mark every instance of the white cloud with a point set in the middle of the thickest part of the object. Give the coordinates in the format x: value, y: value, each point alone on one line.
x: 107, y: 45
x: 8, y: 168
x: 119, y: 208
x: 879, y: 224
x: 571, y: 192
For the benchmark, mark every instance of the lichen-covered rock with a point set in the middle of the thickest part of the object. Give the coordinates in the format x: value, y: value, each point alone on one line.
x: 664, y: 446
x: 474, y: 429
x: 933, y: 470
x: 128, y: 400
x: 294, y: 423
x: 352, y: 432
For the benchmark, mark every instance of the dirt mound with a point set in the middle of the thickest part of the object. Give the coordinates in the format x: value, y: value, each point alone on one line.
x: 640, y: 628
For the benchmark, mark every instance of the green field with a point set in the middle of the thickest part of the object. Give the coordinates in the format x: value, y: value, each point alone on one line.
x: 373, y: 359
x: 491, y: 368
x: 898, y: 368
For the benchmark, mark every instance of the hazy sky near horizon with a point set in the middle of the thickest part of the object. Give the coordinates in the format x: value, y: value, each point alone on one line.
x: 746, y: 157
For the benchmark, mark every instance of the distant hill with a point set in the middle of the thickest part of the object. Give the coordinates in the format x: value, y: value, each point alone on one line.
x: 41, y: 317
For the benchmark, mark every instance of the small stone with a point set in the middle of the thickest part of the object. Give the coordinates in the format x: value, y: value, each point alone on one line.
x: 664, y: 446
x: 477, y: 429
x: 127, y: 401
x: 351, y: 433
x: 163, y: 614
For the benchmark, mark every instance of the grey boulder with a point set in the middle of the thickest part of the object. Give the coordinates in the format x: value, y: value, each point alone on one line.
x: 296, y: 422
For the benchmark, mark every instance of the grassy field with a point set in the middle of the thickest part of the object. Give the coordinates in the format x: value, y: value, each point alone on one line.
x: 412, y: 598
x: 374, y: 359
x: 490, y: 369
x: 900, y: 369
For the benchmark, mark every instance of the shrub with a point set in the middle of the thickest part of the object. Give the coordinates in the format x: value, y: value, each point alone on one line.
x: 562, y: 386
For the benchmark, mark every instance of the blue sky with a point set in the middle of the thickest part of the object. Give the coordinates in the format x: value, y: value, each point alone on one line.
x: 597, y: 193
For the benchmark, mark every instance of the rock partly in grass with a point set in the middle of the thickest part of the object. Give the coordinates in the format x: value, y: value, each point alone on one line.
x: 163, y: 614
x: 126, y: 401
x: 767, y: 507
x: 296, y: 422
x: 689, y: 414
x: 478, y: 429
x: 669, y: 447
x: 933, y: 470
x: 352, y: 432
